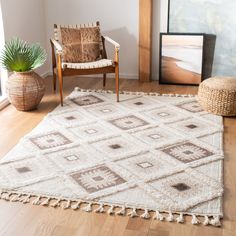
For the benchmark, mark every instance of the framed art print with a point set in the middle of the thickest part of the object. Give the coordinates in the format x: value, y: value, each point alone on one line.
x: 181, y: 58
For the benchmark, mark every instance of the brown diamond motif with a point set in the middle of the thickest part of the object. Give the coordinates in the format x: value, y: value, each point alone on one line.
x: 70, y: 118
x: 138, y: 103
x: 23, y: 170
x: 193, y: 107
x: 145, y: 165
x: 115, y: 146
x: 50, y: 140
x: 181, y: 187
x: 192, y: 126
x: 129, y: 122
x: 87, y: 100
x: 187, y: 152
x: 97, y: 179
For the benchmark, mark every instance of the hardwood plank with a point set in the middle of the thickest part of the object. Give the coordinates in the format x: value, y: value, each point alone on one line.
x: 145, y: 40
x: 18, y: 219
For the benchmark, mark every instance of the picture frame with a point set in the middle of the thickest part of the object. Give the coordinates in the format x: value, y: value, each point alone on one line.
x: 181, y: 58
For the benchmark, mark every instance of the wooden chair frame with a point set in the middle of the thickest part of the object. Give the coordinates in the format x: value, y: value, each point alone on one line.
x: 60, y: 72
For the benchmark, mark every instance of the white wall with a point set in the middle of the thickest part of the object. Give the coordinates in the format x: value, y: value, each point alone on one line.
x: 118, y: 20
x: 25, y: 19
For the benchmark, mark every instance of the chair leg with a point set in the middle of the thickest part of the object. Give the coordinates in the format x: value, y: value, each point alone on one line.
x: 54, y: 80
x: 60, y: 79
x: 60, y: 88
x: 104, y: 80
x: 117, y: 81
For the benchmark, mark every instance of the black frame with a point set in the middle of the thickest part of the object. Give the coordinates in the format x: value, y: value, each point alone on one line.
x: 160, y: 57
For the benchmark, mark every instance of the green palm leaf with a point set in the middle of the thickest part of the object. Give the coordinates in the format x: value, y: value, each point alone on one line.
x: 20, y: 56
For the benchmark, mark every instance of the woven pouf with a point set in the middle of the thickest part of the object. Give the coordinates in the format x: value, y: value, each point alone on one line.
x: 218, y: 96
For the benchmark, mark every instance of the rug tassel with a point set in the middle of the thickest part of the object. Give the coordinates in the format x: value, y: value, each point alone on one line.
x: 46, y: 202
x: 56, y: 203
x: 36, y: 201
x: 88, y: 208
x: 133, y: 213
x: 76, y: 205
x: 121, y: 212
x: 216, y: 221
x: 206, y: 221
x: 16, y: 198
x: 170, y: 218
x: 111, y: 210
x: 66, y: 205
x: 195, y: 220
x: 26, y: 199
x: 100, y: 209
x: 158, y: 216
x: 6, y: 196
x: 145, y: 215
x: 180, y: 219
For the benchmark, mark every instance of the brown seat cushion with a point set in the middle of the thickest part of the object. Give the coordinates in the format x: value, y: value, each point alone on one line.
x: 80, y: 44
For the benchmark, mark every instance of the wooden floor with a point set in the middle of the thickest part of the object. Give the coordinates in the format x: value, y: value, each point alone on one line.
x: 17, y: 219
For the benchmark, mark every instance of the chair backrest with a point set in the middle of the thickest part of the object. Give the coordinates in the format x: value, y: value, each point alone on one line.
x: 60, y: 29
x: 75, y: 26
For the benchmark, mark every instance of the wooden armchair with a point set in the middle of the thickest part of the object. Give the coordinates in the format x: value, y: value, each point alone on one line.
x: 101, y: 66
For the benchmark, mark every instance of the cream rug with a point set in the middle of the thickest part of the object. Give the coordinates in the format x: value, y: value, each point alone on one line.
x: 148, y: 156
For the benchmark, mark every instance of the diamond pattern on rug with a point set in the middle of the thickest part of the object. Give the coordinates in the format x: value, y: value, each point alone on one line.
x: 118, y: 147
x: 192, y: 106
x: 165, y: 115
x: 184, y: 188
x: 187, y: 152
x: 157, y: 136
x: 50, y: 140
x: 97, y: 179
x: 141, y: 102
x: 107, y: 110
x: 27, y: 171
x: 71, y: 118
x: 87, y: 100
x: 194, y: 127
x: 75, y: 158
x: 129, y: 122
x: 92, y: 131
x: 147, y: 166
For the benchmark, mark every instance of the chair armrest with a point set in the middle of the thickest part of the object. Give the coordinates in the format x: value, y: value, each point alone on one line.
x: 57, y: 45
x: 117, y: 45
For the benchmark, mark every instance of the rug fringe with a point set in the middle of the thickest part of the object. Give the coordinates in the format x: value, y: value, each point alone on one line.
x: 42, y: 200
x: 133, y: 213
x: 77, y: 89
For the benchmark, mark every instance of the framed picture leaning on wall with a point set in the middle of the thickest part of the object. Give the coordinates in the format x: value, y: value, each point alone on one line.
x: 181, y: 58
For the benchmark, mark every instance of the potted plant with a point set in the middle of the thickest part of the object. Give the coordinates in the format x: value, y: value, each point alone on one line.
x: 24, y: 87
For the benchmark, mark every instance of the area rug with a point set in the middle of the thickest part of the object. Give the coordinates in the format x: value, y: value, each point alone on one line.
x: 150, y: 156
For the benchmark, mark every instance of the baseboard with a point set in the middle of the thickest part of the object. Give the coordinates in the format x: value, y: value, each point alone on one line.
x: 4, y: 103
x: 122, y: 75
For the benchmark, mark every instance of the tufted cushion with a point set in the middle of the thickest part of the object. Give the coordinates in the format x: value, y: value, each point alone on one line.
x: 80, y: 45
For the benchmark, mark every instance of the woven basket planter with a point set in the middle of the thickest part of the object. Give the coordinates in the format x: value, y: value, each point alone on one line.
x: 218, y: 96
x: 25, y: 90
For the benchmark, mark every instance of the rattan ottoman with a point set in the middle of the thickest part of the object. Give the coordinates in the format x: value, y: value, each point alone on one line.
x: 218, y: 96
